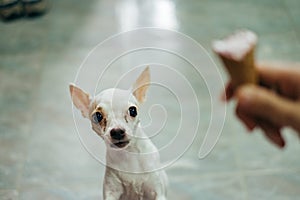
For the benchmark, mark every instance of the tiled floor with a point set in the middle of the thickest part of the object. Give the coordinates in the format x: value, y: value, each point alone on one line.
x: 41, y: 156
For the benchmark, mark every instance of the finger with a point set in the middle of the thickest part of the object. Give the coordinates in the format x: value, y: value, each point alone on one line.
x: 281, y: 77
x: 269, y: 73
x: 273, y: 134
x: 263, y: 104
x: 275, y: 71
x: 245, y: 118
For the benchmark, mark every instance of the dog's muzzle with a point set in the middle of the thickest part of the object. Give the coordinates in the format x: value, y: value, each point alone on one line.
x: 118, y: 137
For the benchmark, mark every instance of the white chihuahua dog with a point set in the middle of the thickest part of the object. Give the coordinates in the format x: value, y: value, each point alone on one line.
x: 131, y: 158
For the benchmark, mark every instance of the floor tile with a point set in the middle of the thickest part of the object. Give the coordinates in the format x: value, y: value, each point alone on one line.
x: 256, y: 152
x: 283, y: 186
x: 56, y: 155
x: 12, y: 160
x: 80, y: 191
x: 197, y: 186
x: 292, y: 8
x: 41, y: 154
x: 9, y: 194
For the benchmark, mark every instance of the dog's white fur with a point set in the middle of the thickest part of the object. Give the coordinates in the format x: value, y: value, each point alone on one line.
x: 131, y: 167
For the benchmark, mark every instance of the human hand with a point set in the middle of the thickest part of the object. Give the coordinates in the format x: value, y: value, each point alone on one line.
x: 272, y: 105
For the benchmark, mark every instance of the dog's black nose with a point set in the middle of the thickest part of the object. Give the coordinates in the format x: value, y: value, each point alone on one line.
x: 117, y: 133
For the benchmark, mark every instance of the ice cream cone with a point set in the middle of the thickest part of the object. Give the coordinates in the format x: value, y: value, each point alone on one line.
x: 237, y: 54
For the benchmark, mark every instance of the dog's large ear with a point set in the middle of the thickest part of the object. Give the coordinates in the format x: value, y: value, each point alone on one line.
x: 80, y: 99
x: 141, y: 86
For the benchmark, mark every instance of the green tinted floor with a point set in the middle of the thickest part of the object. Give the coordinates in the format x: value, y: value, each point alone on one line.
x: 41, y: 156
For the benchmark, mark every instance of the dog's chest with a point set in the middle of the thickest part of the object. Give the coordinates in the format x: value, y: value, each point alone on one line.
x: 137, y: 186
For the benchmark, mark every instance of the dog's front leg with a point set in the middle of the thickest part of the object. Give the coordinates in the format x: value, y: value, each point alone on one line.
x: 111, y: 196
x: 112, y: 188
x: 112, y: 191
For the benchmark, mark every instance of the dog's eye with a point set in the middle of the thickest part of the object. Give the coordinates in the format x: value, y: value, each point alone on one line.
x: 132, y: 111
x: 97, y: 117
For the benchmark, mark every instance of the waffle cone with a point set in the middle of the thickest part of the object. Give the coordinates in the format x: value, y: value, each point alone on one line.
x: 241, y: 71
x: 237, y: 54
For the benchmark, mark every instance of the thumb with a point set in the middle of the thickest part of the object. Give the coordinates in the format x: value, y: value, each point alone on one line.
x: 265, y: 104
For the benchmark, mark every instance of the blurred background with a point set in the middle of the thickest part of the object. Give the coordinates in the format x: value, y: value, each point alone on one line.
x: 41, y: 156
